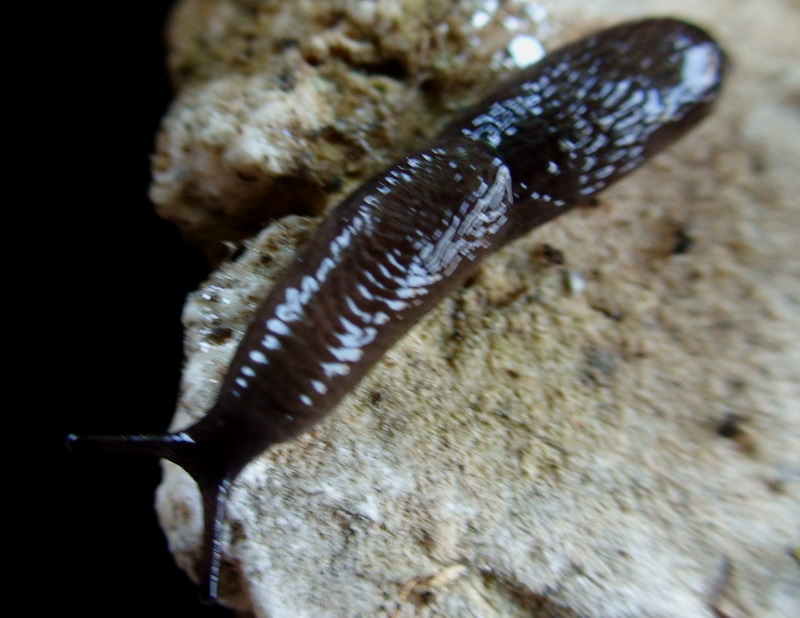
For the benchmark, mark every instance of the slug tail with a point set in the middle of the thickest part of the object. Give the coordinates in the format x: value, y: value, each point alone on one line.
x: 214, y: 482
x: 215, y: 500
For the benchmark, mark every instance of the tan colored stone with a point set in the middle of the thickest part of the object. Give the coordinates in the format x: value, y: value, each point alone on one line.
x: 564, y: 448
x: 285, y: 107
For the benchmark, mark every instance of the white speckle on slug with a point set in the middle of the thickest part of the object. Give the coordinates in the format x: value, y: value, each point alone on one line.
x: 278, y: 327
x: 270, y: 342
x: 335, y: 369
x: 258, y: 357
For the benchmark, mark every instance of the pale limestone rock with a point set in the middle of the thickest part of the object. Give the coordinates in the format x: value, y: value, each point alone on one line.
x: 525, y: 450
x: 285, y: 107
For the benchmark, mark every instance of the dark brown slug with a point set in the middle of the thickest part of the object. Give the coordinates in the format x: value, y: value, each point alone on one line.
x: 542, y: 143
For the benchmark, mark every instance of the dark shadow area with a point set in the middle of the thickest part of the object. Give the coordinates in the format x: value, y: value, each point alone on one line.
x: 111, y: 303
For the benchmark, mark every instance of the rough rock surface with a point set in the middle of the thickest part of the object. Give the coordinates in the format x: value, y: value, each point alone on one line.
x: 285, y: 107
x: 617, y: 435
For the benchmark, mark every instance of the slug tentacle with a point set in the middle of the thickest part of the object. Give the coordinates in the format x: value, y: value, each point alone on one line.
x: 543, y: 142
x: 206, y: 462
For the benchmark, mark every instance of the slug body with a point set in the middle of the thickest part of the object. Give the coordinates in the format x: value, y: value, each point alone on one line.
x: 542, y: 143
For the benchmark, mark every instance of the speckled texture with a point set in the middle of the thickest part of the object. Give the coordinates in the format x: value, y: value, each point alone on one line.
x: 563, y: 447
x: 286, y: 106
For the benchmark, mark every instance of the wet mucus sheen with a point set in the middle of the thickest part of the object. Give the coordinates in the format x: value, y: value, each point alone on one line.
x: 545, y: 141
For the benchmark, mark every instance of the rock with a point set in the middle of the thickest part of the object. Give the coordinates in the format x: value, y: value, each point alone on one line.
x: 626, y: 445
x: 286, y: 107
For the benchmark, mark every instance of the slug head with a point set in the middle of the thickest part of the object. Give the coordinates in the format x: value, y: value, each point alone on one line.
x: 593, y: 111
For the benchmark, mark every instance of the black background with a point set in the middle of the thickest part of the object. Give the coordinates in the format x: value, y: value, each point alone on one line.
x: 111, y: 293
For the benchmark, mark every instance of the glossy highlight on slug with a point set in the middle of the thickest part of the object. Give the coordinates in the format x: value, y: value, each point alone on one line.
x: 543, y: 142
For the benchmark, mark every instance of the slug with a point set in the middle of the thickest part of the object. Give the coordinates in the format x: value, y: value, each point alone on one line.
x: 545, y: 141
